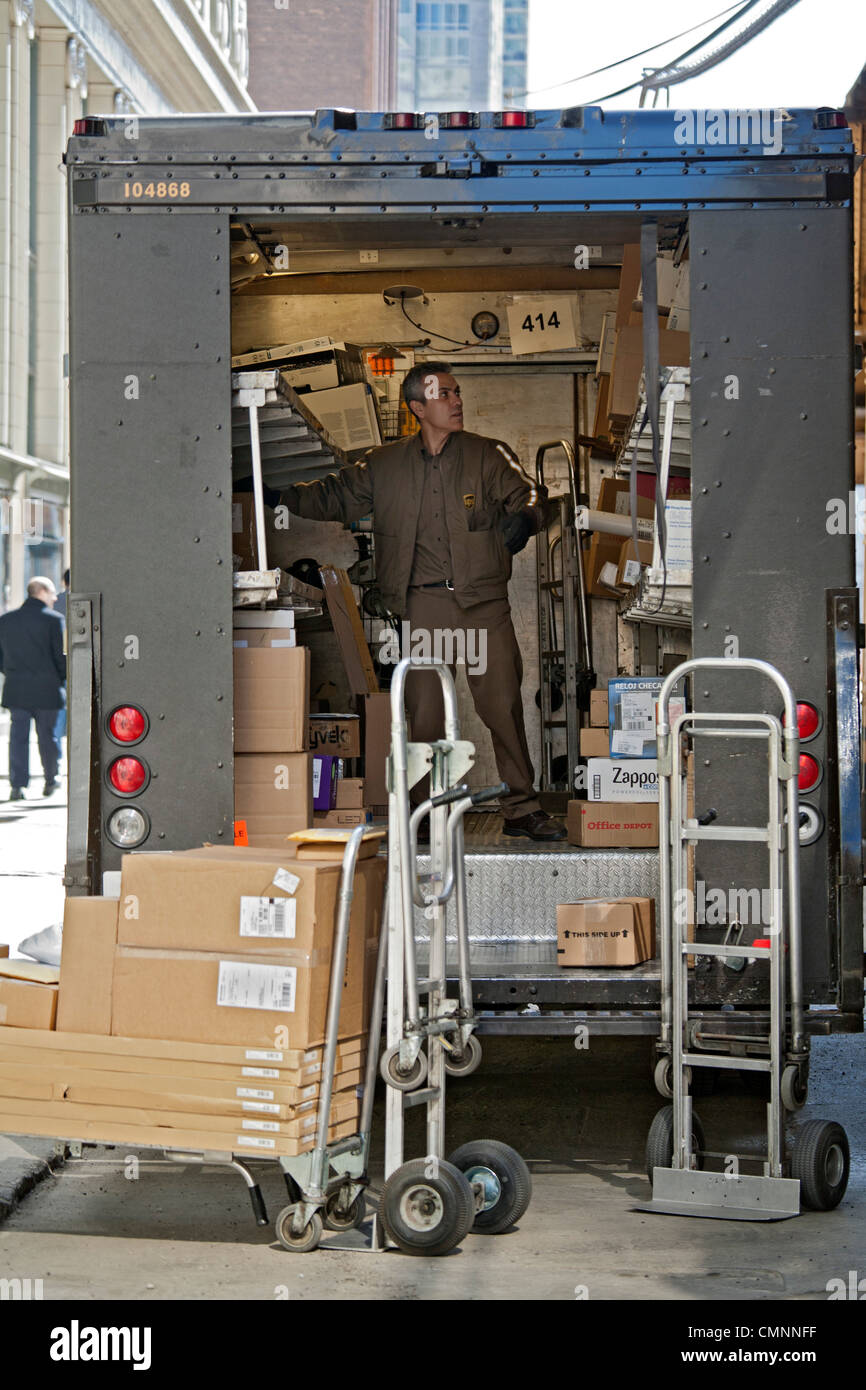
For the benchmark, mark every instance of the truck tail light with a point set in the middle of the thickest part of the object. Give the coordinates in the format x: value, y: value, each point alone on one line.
x: 809, y: 721
x: 128, y: 776
x: 402, y: 120
x: 127, y: 724
x: 127, y: 827
x: 810, y: 773
x: 514, y: 120
x: 459, y: 120
x: 90, y: 125
x: 825, y: 118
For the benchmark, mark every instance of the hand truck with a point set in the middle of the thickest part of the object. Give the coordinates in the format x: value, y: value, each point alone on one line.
x: 429, y: 1204
x: 819, y: 1164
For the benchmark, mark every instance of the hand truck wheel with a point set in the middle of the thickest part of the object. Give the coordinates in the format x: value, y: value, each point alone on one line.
x: 349, y: 1219
x: 660, y: 1141
x: 821, y: 1160
x: 299, y: 1241
x: 403, y: 1080
x: 468, y: 1061
x: 663, y: 1077
x: 794, y: 1088
x: 428, y: 1207
x: 505, y: 1179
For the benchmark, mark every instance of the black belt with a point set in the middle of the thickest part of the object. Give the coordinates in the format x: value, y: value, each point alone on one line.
x: 437, y: 584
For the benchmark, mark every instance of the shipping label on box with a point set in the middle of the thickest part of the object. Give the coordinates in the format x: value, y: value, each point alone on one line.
x: 632, y: 704
x: 598, y: 713
x: 250, y: 985
x: 273, y: 917
x: 626, y: 779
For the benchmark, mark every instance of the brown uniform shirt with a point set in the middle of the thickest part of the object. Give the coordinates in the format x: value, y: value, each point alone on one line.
x: 432, y: 559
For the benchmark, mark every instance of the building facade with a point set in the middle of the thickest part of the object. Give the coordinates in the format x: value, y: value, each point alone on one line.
x: 308, y: 54
x: 60, y: 60
x: 461, y: 54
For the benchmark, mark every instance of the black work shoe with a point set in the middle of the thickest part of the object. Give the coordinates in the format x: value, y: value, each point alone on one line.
x: 536, y: 826
x: 17, y: 794
x: 49, y: 788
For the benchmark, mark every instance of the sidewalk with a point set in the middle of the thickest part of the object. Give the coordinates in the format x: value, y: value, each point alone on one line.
x: 32, y: 849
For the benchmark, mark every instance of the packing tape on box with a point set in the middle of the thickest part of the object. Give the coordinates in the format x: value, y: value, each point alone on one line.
x: 288, y: 956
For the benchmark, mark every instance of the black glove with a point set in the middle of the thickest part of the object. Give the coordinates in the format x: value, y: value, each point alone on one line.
x: 516, y: 530
x: 272, y: 497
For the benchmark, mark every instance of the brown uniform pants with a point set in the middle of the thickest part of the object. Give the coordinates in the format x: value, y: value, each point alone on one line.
x: 485, y: 635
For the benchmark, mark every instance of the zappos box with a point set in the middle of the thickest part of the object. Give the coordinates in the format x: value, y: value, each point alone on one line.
x: 622, y: 779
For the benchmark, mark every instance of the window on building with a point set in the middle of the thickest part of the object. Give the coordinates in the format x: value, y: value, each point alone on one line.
x: 33, y: 184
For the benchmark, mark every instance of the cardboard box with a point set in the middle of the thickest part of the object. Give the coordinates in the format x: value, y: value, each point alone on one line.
x: 605, y: 931
x: 273, y: 794
x: 594, y: 743
x: 622, y: 779
x: 252, y: 1000
x: 264, y: 637
x: 232, y: 899
x: 345, y: 819
x: 348, y: 413
x: 598, y: 714
x: 339, y: 734
x: 244, y: 536
x: 25, y: 1004
x: 632, y: 706
x: 271, y: 699
x: 613, y: 824
x: 629, y: 282
x: 325, y: 772
x: 629, y: 569
x: 87, y: 965
x: 350, y: 793
x: 4, y: 952
x: 377, y: 745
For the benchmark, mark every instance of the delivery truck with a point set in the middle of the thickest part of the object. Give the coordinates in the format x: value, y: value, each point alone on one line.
x: 551, y: 257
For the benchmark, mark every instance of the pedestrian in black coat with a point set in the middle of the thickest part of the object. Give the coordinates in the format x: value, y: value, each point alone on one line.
x: 32, y: 660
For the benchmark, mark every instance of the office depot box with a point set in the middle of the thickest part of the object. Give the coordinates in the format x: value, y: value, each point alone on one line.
x: 350, y: 793
x: 623, y: 779
x: 598, y: 714
x: 605, y: 931
x: 594, y: 743
x: 616, y: 824
x: 271, y: 699
x: 337, y: 734
x: 87, y: 965
x: 27, y: 1003
x: 235, y: 899
x: 632, y: 714
x: 273, y: 794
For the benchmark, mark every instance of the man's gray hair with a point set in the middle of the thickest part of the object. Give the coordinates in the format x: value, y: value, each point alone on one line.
x: 39, y: 581
x: 413, y: 381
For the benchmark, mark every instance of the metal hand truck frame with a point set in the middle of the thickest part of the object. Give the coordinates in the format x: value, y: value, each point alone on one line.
x: 428, y: 1204
x: 675, y: 1147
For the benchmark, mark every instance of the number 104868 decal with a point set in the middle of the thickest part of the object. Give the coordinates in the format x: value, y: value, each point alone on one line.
x: 156, y: 190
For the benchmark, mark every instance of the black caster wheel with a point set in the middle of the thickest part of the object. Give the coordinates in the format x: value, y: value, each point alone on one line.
x: 505, y: 1179
x: 821, y: 1160
x: 468, y: 1062
x: 663, y: 1078
x: 344, y: 1220
x: 403, y: 1080
x: 427, y: 1207
x: 660, y: 1141
x: 794, y: 1088
x: 299, y: 1241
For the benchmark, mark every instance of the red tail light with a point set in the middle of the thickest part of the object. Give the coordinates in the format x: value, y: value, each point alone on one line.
x: 127, y: 724
x: 514, y: 120
x: 89, y: 125
x: 459, y: 120
x: 828, y: 119
x: 402, y: 120
x: 127, y: 775
x: 810, y: 773
x: 809, y: 720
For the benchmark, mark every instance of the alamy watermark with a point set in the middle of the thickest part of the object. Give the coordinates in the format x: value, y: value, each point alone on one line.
x: 455, y: 646
x: 731, y: 127
x: 22, y: 516
x: 716, y: 907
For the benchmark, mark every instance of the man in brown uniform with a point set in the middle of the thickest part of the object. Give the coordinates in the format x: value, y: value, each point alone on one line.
x: 449, y: 509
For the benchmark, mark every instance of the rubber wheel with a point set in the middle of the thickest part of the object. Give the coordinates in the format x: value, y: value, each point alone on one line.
x: 660, y: 1141
x: 300, y: 1243
x: 350, y: 1220
x: 486, y: 1157
x: 663, y: 1079
x: 403, y: 1081
x: 821, y: 1160
x: 468, y: 1063
x: 794, y: 1088
x: 424, y: 1214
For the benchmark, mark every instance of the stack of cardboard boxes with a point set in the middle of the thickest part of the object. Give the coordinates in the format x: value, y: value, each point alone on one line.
x: 339, y: 799
x: 331, y: 379
x: 192, y: 1010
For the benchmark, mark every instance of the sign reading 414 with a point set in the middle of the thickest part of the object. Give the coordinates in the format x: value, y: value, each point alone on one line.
x: 541, y: 325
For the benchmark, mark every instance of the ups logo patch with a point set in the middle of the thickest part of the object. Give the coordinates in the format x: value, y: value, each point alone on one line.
x: 469, y: 500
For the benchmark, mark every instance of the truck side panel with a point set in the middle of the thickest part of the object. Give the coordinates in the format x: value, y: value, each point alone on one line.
x: 151, y: 472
